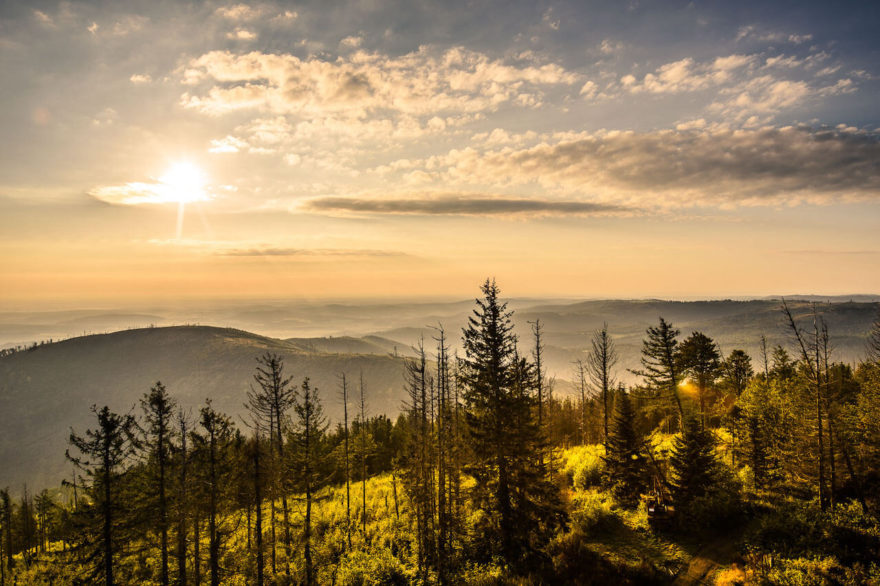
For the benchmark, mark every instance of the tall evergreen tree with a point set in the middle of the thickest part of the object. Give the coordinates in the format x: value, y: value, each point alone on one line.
x: 737, y: 371
x: 660, y: 367
x: 693, y: 464
x: 699, y: 358
x: 213, y: 448
x: 626, y: 466
x: 158, y: 408
x: 271, y: 401
x: 418, y: 474
x: 181, y: 501
x: 7, y: 560
x: 506, y: 442
x: 601, y: 359
x: 309, y: 447
x: 103, y: 455
x: 872, y: 345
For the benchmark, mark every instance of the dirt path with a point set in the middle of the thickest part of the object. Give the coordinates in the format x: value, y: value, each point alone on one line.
x: 716, y: 553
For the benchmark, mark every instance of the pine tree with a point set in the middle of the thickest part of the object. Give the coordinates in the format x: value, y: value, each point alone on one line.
x: 872, y: 345
x: 309, y: 452
x: 699, y: 359
x: 660, y: 363
x: 600, y: 361
x: 270, y: 403
x: 181, y: 501
x: 418, y: 474
x: 6, y: 512
x: 693, y: 464
x: 737, y: 371
x: 500, y: 401
x: 158, y: 410
x: 213, y: 448
x: 103, y: 455
x: 626, y: 467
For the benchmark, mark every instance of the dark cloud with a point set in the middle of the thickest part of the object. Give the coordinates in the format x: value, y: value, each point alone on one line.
x: 719, y: 166
x: 462, y: 206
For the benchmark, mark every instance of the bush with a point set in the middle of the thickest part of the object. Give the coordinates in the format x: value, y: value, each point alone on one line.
x: 584, y: 466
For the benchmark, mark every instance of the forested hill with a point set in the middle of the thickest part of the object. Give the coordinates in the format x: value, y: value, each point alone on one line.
x: 49, y: 389
x: 732, y: 324
x: 46, y: 390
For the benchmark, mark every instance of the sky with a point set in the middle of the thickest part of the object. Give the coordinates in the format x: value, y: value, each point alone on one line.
x: 155, y: 150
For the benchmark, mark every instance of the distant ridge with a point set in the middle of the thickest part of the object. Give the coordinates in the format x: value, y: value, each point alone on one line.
x: 49, y: 389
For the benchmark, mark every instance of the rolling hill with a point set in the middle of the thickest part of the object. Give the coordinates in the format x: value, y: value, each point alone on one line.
x: 46, y: 391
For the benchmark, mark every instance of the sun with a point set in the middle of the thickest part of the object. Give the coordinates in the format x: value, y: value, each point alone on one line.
x: 184, y: 182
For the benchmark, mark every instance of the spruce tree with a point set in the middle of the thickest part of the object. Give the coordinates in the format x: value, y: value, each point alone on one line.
x: 213, y: 449
x: 500, y: 397
x: 104, y: 527
x: 699, y: 359
x: 309, y: 451
x: 660, y: 364
x: 693, y: 464
x: 158, y: 409
x: 626, y: 466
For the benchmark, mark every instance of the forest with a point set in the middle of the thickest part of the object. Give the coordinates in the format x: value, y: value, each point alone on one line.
x: 722, y: 469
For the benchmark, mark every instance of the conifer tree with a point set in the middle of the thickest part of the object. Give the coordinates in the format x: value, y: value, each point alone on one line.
x: 872, y: 346
x: 600, y: 361
x: 693, y: 464
x: 103, y: 455
x: 500, y: 401
x: 309, y: 452
x: 6, y: 516
x: 213, y: 448
x: 270, y: 402
x: 660, y: 367
x: 418, y: 470
x: 181, y: 501
x: 158, y: 410
x: 737, y: 370
x: 257, y: 478
x: 698, y: 358
x: 626, y: 467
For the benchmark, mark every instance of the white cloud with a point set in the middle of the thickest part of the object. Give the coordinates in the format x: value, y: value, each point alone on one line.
x: 241, y: 35
x: 229, y: 144
x: 238, y: 12
x: 424, y: 82
x: 140, y: 193
x: 351, y: 42
x: 140, y: 78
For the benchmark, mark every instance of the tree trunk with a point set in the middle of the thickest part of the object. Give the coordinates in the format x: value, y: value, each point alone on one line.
x: 258, y: 509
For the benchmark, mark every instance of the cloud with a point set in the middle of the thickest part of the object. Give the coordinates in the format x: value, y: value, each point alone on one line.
x: 752, y: 32
x: 139, y: 78
x: 671, y: 168
x: 814, y: 252
x: 238, y: 12
x: 686, y: 75
x: 141, y: 193
x: 241, y: 35
x: 460, y: 205
x: 351, y: 42
x: 419, y: 83
x: 271, y: 251
x: 230, y: 144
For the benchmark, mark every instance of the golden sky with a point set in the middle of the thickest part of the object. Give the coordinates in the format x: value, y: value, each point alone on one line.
x: 607, y: 149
